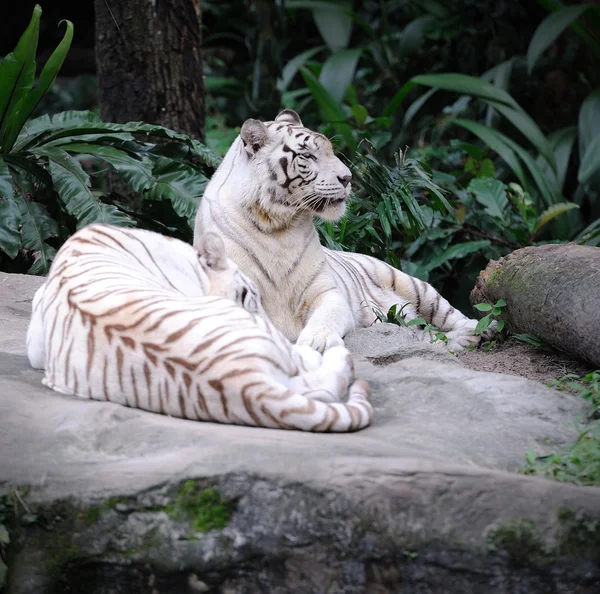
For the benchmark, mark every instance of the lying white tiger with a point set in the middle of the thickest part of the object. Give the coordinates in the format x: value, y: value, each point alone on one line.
x: 275, y: 177
x: 147, y: 321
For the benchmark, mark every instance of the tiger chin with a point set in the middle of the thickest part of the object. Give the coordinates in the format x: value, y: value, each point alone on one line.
x: 146, y: 321
x: 261, y: 201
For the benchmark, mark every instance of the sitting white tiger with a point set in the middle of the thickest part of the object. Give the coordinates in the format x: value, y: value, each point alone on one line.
x: 147, y: 321
x: 275, y: 177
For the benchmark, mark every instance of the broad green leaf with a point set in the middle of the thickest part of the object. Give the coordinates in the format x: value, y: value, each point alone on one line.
x: 416, y: 322
x: 206, y: 155
x: 10, y: 215
x: 416, y: 105
x: 29, y: 165
x: 180, y: 184
x: 496, y: 141
x: 530, y: 130
x: 590, y: 235
x: 3, y: 570
x: 562, y: 142
x: 73, y: 185
x: 499, y: 76
x: 466, y: 85
x: 413, y: 34
x: 483, y: 324
x: 136, y: 172
x: 338, y: 71
x: 334, y: 21
x: 552, y: 212
x: 500, y: 303
x: 490, y: 193
x: 331, y: 109
x: 33, y: 128
x: 458, y: 250
x: 509, y: 150
x: 590, y: 162
x: 156, y: 178
x: 291, y: 68
x: 589, y: 121
x: 500, y: 325
x: 550, y: 29
x: 398, y: 98
x: 360, y: 113
x: 17, y: 71
x: 6, y: 187
x: 30, y: 101
x: 587, y: 36
x: 10, y: 219
x: 546, y: 183
x: 36, y: 226
x: 483, y: 307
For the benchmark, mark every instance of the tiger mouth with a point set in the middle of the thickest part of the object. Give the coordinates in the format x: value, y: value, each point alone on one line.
x: 324, y: 203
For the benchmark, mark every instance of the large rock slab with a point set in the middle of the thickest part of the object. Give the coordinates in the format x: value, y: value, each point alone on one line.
x: 421, y: 501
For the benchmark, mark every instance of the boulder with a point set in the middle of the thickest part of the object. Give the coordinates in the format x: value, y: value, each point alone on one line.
x: 551, y: 291
x: 127, y: 501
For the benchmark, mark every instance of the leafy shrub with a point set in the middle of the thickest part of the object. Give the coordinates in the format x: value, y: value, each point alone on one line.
x: 50, y: 183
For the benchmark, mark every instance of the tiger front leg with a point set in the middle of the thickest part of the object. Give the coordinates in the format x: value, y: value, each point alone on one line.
x: 330, y: 320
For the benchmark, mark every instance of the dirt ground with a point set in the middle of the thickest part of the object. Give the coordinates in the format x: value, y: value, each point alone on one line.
x: 517, y: 358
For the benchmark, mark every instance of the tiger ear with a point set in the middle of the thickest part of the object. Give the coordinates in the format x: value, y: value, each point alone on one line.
x: 212, y: 250
x: 289, y: 116
x: 254, y: 135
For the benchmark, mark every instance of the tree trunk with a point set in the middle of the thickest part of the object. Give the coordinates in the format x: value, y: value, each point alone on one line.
x: 551, y: 291
x: 149, y: 60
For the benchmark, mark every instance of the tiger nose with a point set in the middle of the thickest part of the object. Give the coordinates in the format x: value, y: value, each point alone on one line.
x: 345, y: 179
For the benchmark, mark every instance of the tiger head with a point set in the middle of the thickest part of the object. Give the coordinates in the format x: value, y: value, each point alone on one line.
x: 225, y: 278
x: 296, y: 168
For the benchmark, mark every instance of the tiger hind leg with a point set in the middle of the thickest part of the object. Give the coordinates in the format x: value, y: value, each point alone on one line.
x: 427, y: 303
x: 329, y: 380
x: 417, y: 299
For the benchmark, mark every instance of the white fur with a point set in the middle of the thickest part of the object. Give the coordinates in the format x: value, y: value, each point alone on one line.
x: 313, y: 295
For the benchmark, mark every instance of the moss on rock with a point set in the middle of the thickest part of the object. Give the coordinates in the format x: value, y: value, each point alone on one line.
x: 519, y: 539
x: 205, y: 507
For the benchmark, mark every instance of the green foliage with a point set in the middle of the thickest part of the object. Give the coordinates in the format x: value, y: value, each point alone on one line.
x: 6, y: 515
x: 587, y: 387
x: 495, y: 313
x: 580, y: 462
x: 389, y: 207
x: 395, y: 315
x: 51, y: 168
x: 533, y: 340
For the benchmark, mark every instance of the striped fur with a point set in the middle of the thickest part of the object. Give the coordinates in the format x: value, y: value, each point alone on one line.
x: 275, y: 177
x: 149, y: 322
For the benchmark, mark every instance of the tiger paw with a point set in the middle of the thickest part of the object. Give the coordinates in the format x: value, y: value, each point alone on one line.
x: 464, y: 335
x: 339, y: 360
x: 320, y: 341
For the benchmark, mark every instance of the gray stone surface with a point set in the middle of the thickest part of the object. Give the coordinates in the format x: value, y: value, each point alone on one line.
x: 421, y: 498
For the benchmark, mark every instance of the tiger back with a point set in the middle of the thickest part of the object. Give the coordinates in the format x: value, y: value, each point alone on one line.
x: 146, y: 321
